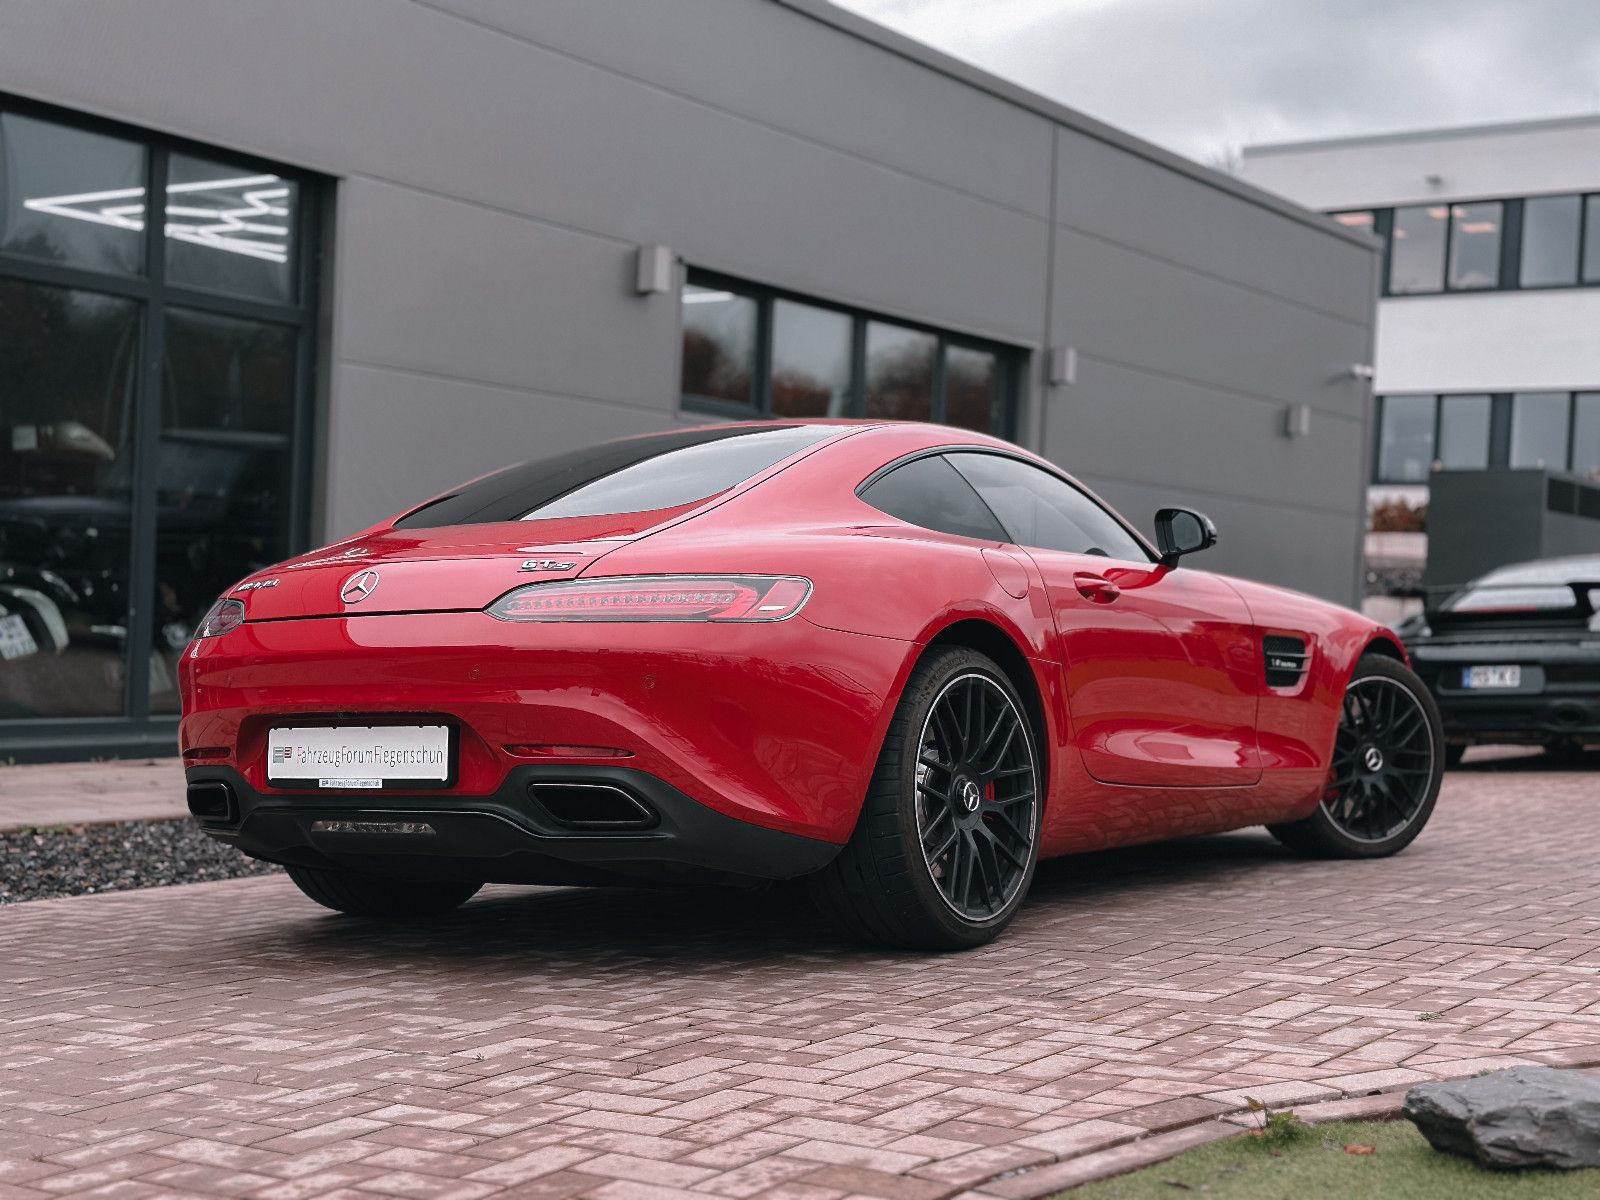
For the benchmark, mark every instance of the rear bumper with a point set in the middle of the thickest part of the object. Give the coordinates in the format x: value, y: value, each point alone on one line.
x: 510, y: 836
x: 1559, y: 696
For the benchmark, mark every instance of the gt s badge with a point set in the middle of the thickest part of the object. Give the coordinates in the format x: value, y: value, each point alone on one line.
x: 545, y: 564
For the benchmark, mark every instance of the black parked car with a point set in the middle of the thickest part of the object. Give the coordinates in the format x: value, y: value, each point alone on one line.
x: 1514, y: 656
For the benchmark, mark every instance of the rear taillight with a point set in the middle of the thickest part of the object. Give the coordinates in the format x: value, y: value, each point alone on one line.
x: 657, y: 598
x: 225, y: 614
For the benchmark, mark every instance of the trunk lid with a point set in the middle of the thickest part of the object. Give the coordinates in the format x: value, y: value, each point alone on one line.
x: 449, y: 569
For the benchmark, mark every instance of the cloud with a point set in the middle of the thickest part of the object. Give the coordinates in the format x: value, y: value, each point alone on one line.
x: 1205, y: 76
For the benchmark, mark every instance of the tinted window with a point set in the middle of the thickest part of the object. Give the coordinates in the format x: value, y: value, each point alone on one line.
x: 810, y: 361
x: 1039, y: 509
x: 631, y: 475
x: 230, y: 229
x: 1586, y: 433
x: 931, y: 493
x: 719, y: 345
x: 71, y: 196
x: 1416, y: 250
x: 1550, y: 241
x: 1405, y: 439
x: 971, y: 387
x: 1539, y: 430
x: 1475, y: 245
x: 899, y: 372
x: 1591, y: 239
x: 1464, y: 432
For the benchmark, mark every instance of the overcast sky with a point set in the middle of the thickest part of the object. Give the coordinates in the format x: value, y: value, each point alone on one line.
x: 1206, y: 76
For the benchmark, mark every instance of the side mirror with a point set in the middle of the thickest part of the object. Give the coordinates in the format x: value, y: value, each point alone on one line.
x: 1181, y: 531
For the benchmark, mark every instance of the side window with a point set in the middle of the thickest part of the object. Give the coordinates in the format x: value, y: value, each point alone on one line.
x: 931, y: 493
x: 1038, y: 509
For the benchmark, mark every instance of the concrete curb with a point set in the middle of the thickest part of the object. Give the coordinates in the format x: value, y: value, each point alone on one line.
x: 1119, y: 1155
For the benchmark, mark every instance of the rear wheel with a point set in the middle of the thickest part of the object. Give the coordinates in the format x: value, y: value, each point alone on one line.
x: 945, y: 847
x: 1388, y: 759
x: 379, y: 895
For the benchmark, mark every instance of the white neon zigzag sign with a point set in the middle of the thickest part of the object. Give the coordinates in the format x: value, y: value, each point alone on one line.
x: 233, y: 229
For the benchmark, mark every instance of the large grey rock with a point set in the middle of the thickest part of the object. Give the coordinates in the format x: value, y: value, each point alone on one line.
x: 1519, y: 1117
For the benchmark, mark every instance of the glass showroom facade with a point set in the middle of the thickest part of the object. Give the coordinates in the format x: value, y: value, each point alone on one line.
x: 1559, y: 431
x: 155, y: 379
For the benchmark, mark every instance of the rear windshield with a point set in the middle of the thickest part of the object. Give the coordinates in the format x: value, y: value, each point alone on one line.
x: 627, y: 476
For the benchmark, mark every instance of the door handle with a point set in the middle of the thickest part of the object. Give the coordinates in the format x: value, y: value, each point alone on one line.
x: 1096, y: 587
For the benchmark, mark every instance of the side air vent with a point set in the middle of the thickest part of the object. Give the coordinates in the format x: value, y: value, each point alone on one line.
x: 1286, y: 660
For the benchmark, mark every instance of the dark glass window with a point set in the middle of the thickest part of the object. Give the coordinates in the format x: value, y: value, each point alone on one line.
x: 1475, y: 246
x: 972, y: 383
x: 1539, y: 429
x: 899, y: 372
x: 68, y: 361
x: 1550, y: 241
x: 132, y: 491
x: 931, y: 493
x: 753, y: 349
x: 719, y: 345
x: 1405, y: 439
x: 628, y: 475
x: 1464, y: 432
x: 72, y: 197
x: 230, y: 229
x: 1586, y: 434
x: 222, y: 467
x: 1591, y: 239
x: 1042, y: 510
x: 810, y: 361
x: 1417, y: 249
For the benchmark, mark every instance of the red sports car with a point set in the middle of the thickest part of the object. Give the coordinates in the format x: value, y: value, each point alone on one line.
x: 899, y: 662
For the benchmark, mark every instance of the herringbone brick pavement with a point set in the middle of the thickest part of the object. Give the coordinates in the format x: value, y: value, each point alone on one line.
x: 231, y: 1039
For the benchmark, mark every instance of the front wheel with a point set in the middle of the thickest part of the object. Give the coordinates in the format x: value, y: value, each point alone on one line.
x: 380, y: 895
x: 1388, y: 759
x: 945, y: 847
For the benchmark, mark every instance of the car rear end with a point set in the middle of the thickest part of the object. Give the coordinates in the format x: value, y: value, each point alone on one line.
x: 501, y: 700
x: 1514, y: 657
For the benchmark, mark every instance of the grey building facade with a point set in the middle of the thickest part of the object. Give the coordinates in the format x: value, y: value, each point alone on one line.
x: 406, y: 242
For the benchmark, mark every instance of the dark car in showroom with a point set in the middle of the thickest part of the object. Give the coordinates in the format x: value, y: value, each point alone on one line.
x: 1514, y: 655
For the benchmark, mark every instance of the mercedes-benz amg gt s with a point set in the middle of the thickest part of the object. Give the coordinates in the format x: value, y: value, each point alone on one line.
x: 899, y: 662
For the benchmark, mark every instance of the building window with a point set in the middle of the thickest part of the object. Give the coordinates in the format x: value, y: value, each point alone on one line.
x: 1551, y: 232
x: 1417, y: 249
x: 755, y: 351
x: 1591, y: 239
x: 153, y: 398
x: 1586, y: 434
x: 1475, y: 246
x: 1539, y: 425
x: 1405, y: 438
x: 1464, y: 432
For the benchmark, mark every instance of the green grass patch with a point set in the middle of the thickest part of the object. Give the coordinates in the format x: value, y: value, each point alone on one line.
x: 1332, y: 1160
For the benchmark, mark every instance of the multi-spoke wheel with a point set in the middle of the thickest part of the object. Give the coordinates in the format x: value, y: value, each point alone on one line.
x: 976, y: 792
x: 947, y: 840
x: 1388, y: 758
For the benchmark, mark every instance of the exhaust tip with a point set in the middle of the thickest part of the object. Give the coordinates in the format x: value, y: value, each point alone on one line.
x: 595, y: 806
x: 212, y: 800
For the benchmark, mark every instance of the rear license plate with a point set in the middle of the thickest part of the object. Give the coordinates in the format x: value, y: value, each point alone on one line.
x: 360, y: 756
x: 1492, y: 677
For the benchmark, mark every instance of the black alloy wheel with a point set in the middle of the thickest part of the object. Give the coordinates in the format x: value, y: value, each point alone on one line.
x: 945, y: 847
x: 976, y: 792
x: 1383, y: 779
x: 1383, y: 760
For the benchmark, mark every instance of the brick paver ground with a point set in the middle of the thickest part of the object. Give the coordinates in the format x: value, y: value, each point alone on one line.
x: 89, y: 793
x: 230, y: 1039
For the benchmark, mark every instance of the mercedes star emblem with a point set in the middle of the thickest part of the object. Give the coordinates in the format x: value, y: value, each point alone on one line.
x: 358, y: 587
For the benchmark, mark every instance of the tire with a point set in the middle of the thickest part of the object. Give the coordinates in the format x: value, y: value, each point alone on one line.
x: 381, y: 896
x: 974, y: 800
x: 1376, y: 806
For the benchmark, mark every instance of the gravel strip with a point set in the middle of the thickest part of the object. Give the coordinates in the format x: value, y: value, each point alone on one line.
x: 79, y: 860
